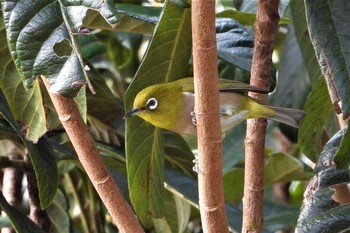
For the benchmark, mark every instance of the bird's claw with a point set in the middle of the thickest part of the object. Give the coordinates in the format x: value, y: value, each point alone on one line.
x: 195, y: 168
x: 194, y: 119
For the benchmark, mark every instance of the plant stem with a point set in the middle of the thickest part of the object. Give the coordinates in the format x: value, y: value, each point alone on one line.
x: 211, y: 197
x: 93, y: 164
x: 265, y: 31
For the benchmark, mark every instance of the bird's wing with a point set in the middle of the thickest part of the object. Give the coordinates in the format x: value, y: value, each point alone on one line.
x: 236, y: 86
x: 224, y: 85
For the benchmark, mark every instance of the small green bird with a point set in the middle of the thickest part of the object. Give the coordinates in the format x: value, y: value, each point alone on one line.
x: 171, y: 106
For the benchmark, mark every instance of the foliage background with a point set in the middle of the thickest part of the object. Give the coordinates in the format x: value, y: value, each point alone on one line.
x: 120, y: 48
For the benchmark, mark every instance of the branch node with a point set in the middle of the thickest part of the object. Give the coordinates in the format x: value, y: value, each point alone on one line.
x: 64, y: 118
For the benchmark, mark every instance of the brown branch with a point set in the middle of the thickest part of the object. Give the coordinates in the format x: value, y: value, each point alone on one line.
x: 93, y: 164
x: 265, y: 30
x: 211, y: 197
x: 12, y: 183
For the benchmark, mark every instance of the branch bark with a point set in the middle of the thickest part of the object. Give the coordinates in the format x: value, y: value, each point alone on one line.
x: 93, y: 164
x: 265, y: 31
x: 211, y: 197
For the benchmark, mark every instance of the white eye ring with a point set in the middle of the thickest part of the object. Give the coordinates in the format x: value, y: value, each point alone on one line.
x: 152, y: 103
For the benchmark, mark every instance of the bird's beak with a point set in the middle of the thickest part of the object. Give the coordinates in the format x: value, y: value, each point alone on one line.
x: 132, y: 112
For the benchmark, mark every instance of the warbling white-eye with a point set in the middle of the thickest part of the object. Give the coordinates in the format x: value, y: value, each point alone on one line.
x: 171, y: 106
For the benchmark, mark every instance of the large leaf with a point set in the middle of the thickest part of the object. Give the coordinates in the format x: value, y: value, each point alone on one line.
x: 166, y: 60
x: 303, y: 38
x: 26, y: 105
x: 280, y: 167
x: 317, y: 107
x: 234, y: 43
x: 42, y: 41
x: 21, y: 223
x: 329, y: 27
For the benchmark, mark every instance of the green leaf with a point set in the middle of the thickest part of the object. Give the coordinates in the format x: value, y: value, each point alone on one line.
x: 245, y: 18
x: 42, y: 40
x: 171, y: 42
x: 342, y: 156
x: 20, y: 222
x: 176, y: 214
x: 280, y: 167
x: 178, y: 153
x: 41, y: 157
x: 304, y: 41
x: 233, y: 147
x: 140, y: 19
x: 26, y: 105
x: 58, y: 214
x: 234, y: 43
x: 328, y: 23
x: 233, y: 185
x: 317, y: 108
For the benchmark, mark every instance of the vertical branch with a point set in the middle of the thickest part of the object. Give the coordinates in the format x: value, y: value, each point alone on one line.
x: 211, y: 197
x: 265, y: 30
x: 93, y: 164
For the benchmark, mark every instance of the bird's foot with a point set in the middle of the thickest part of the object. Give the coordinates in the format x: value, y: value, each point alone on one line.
x: 195, y: 168
x: 194, y: 119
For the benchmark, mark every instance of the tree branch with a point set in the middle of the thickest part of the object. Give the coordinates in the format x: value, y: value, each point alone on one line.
x: 265, y: 30
x: 211, y: 197
x: 93, y: 164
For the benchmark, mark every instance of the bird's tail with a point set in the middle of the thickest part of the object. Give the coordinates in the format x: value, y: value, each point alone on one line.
x: 288, y: 116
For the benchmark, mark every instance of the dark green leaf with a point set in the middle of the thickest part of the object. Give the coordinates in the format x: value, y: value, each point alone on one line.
x: 303, y: 38
x: 329, y: 27
x: 41, y: 157
x: 178, y: 153
x: 45, y: 167
x: 166, y: 59
x: 234, y: 43
x: 42, y: 40
x: 342, y: 156
x: 21, y: 223
x: 317, y: 108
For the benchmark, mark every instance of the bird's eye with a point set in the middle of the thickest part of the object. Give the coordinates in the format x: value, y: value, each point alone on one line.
x: 152, y: 103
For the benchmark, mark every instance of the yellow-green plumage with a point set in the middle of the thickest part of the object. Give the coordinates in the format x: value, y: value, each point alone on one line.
x: 169, y: 106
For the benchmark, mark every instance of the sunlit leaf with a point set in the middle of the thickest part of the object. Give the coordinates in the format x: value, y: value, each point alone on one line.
x: 280, y: 167
x: 144, y: 143
x: 26, y: 105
